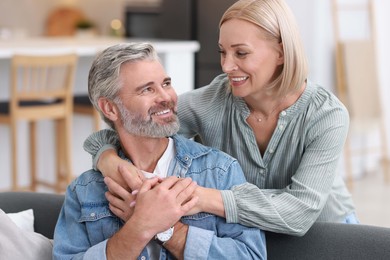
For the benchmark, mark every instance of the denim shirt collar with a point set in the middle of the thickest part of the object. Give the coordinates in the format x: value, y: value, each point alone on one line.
x: 186, y: 151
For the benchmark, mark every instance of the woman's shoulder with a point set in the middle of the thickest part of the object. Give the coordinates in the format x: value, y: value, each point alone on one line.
x: 322, y: 104
x: 322, y: 95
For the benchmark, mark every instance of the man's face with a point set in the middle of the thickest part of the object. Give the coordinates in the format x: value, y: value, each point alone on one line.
x: 148, y: 104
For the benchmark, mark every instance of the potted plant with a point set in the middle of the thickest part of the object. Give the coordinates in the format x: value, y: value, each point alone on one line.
x: 85, y: 28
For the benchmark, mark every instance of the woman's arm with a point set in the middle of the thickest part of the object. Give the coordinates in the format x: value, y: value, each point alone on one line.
x: 295, y: 206
x: 120, y: 197
x: 103, y: 146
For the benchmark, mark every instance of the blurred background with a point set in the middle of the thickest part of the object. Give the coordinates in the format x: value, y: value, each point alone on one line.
x: 346, y: 42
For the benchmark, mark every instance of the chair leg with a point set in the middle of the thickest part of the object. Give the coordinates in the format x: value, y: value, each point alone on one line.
x: 33, y: 156
x: 64, y: 161
x: 96, y: 120
x: 59, y: 154
x: 68, y: 150
x: 348, y: 164
x: 385, y: 155
x: 14, y: 154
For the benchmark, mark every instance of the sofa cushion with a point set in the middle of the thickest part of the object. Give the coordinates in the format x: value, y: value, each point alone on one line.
x: 331, y: 241
x: 46, y: 208
x: 23, y: 219
x: 16, y: 243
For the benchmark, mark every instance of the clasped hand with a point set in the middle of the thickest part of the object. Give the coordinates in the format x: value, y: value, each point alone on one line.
x: 132, y: 194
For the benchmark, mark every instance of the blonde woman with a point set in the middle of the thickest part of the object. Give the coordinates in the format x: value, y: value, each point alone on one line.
x: 286, y: 132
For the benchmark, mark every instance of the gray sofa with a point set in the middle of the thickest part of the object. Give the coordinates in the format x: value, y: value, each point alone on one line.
x: 322, y: 241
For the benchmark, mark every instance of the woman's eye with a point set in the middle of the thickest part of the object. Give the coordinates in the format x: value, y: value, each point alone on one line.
x: 241, y: 54
x: 222, y: 52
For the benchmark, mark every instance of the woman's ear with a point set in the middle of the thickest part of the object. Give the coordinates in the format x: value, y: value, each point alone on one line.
x: 108, y: 108
x: 280, y: 51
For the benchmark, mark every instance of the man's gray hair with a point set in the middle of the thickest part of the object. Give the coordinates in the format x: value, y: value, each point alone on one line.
x: 103, y: 79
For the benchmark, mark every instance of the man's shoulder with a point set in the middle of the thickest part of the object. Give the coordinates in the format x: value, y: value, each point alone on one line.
x: 90, y: 176
x: 188, y: 147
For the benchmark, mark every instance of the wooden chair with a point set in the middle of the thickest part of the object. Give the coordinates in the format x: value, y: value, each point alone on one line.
x: 82, y: 105
x: 41, y: 89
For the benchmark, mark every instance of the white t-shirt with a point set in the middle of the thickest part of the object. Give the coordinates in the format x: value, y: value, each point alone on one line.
x: 161, y: 171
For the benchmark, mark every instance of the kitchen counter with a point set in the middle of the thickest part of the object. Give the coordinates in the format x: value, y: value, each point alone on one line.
x: 85, y: 46
x: 178, y: 57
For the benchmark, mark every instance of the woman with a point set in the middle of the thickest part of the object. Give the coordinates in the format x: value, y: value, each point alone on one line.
x: 286, y: 132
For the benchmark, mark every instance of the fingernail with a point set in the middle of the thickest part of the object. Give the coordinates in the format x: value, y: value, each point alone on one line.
x: 134, y: 192
x: 132, y: 204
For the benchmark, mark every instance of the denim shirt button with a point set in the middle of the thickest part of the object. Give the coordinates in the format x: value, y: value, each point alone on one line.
x: 92, y: 214
x: 186, y: 158
x: 143, y: 257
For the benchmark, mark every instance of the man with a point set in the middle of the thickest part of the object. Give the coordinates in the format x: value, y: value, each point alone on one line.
x: 130, y: 89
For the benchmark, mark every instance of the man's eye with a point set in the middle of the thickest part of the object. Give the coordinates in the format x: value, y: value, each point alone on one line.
x: 146, y: 90
x: 166, y: 84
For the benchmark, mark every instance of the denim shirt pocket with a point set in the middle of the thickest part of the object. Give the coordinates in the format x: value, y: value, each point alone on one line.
x: 202, y: 220
x: 99, y: 221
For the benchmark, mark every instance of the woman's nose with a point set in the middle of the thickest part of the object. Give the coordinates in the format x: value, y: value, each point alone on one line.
x: 228, y: 65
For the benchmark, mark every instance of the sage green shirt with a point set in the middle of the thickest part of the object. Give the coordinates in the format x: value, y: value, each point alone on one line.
x: 296, y: 182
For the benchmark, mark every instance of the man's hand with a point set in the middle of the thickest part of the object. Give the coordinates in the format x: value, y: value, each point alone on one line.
x: 160, y: 204
x: 167, y: 199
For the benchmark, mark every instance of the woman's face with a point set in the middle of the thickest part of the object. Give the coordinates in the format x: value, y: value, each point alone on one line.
x: 249, y: 59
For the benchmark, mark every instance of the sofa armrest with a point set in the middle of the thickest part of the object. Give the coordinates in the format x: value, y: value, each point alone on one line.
x: 332, y: 241
x: 46, y: 208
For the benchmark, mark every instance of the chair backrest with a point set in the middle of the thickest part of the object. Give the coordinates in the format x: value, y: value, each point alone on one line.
x: 40, y: 82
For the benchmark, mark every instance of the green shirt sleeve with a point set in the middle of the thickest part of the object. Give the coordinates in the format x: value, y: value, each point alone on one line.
x: 99, y: 142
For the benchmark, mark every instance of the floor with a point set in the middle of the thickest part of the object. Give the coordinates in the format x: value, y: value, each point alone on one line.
x: 371, y: 195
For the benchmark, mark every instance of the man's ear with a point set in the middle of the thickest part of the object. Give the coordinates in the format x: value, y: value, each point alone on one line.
x: 108, y: 108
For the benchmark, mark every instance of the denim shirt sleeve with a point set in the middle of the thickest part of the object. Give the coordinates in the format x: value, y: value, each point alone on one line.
x: 70, y: 237
x: 237, y: 242
x: 211, y: 237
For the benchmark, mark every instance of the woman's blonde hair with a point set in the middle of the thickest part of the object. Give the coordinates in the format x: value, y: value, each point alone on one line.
x: 275, y: 18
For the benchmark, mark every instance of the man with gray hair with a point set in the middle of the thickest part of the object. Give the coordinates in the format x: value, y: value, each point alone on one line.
x: 129, y: 87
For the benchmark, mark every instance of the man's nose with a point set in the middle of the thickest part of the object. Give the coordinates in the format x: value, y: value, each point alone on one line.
x: 163, y: 94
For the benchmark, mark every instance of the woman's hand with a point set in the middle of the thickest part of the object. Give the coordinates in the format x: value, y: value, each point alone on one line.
x: 209, y: 200
x: 111, y: 165
x: 121, y: 198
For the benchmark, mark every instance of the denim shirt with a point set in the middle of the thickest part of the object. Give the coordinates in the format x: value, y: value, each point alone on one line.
x: 86, y: 223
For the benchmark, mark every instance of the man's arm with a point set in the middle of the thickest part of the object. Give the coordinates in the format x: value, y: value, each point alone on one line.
x: 177, y: 243
x: 169, y: 200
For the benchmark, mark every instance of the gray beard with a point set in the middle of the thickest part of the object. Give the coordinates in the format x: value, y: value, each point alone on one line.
x: 136, y: 125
